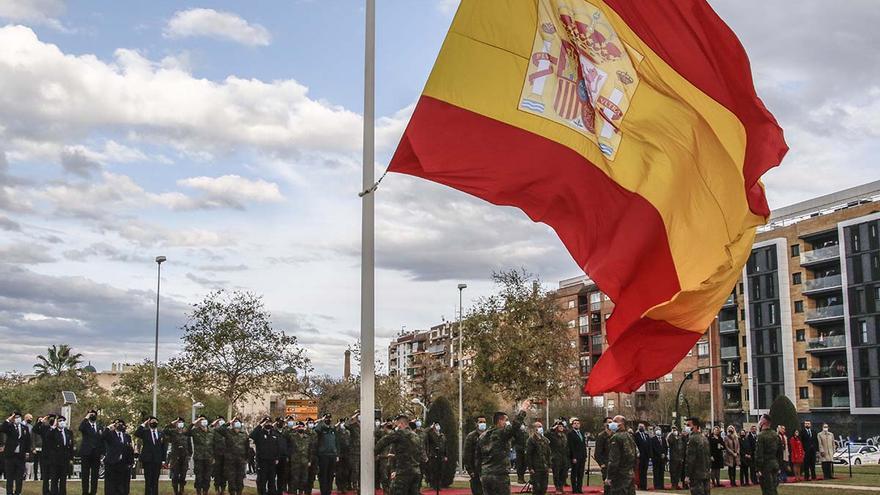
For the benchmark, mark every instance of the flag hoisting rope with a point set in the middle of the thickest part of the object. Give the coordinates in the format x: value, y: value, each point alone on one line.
x: 368, y: 257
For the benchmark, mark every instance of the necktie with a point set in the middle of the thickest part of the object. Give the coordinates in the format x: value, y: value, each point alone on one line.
x: 120, y: 438
x: 95, y: 427
x: 155, y: 440
x: 19, y: 431
x: 63, y: 438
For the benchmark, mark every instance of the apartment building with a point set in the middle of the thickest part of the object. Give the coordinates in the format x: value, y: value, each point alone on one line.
x: 414, y: 355
x: 805, y: 319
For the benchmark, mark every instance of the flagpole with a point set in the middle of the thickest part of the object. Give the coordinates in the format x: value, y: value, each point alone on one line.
x: 368, y: 259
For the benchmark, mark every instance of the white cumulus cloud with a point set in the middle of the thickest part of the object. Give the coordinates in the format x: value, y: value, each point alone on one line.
x: 216, y: 24
x: 37, y: 11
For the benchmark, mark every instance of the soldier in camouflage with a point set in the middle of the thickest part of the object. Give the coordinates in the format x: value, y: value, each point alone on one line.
x: 469, y: 456
x: 354, y: 455
x: 676, y: 457
x: 600, y: 453
x: 561, y: 462
x: 519, y: 446
x: 237, y: 444
x: 203, y: 453
x: 313, y: 454
x: 218, y: 446
x: 698, y: 460
x: 343, y: 473
x: 179, y: 451
x: 493, y: 449
x: 299, y: 459
x: 621, y: 459
x: 538, y: 458
x: 408, y: 456
x: 385, y: 457
x: 768, y: 457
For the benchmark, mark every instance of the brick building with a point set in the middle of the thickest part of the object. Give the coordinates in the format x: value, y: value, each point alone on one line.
x: 414, y: 355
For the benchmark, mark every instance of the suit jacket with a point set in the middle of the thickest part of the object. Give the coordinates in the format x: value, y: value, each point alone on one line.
x: 13, y: 440
x: 117, y: 450
x: 659, y: 448
x: 577, y: 445
x: 643, y: 443
x: 60, y: 450
x: 43, y: 431
x: 810, y: 440
x: 151, y: 451
x: 91, y: 443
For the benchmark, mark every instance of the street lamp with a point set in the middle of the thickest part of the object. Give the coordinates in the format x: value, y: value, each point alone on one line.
x: 159, y: 261
x: 424, y: 409
x: 461, y: 288
x: 196, y: 405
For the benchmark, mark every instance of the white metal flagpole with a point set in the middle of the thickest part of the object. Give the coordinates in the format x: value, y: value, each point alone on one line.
x: 368, y: 259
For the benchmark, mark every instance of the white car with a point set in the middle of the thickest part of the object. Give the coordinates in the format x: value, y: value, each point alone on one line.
x: 859, y: 453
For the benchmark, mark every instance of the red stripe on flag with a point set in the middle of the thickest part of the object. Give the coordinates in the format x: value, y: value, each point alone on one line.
x: 619, y: 232
x: 694, y: 41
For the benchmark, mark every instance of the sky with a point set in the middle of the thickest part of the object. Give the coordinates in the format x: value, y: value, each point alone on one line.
x: 227, y: 135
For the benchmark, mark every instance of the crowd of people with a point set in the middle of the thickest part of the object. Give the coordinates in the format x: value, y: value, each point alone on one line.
x: 289, y: 456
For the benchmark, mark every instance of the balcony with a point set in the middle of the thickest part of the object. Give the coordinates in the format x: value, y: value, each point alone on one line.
x: 728, y: 326
x: 827, y: 343
x: 836, y: 403
x: 584, y: 330
x: 823, y: 284
x: 733, y: 406
x: 731, y: 381
x: 828, y: 313
x: 595, y: 306
x: 731, y: 352
x: 731, y: 301
x: 828, y: 374
x: 820, y: 255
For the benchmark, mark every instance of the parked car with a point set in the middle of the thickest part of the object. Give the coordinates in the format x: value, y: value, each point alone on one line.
x: 860, y: 453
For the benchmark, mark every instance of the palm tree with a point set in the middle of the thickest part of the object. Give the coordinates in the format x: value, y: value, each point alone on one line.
x: 58, y: 360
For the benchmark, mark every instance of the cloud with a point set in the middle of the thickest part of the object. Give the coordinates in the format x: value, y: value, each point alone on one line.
x: 232, y: 191
x: 102, y: 251
x: 76, y: 162
x: 25, y: 253
x: 215, y: 24
x: 9, y: 225
x: 214, y: 284
x: 448, y: 6
x: 44, y: 12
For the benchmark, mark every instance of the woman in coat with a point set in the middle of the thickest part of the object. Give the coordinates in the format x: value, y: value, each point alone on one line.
x: 731, y: 453
x: 796, y: 447
x: 716, y: 446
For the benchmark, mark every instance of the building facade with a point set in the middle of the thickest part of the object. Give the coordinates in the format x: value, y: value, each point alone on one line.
x: 804, y: 321
x: 415, y: 355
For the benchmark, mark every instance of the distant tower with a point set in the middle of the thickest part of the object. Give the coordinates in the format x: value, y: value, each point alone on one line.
x: 346, y: 370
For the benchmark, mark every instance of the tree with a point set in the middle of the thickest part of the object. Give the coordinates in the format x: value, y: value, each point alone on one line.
x: 518, y: 340
x: 57, y: 361
x: 231, y: 348
x: 783, y: 412
x: 42, y: 395
x: 441, y: 412
x: 336, y: 396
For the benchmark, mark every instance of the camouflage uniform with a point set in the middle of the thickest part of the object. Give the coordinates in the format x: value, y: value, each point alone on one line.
x: 178, y: 456
x: 354, y: 455
x: 538, y: 457
x: 519, y: 446
x: 601, y: 452
x: 621, y: 464
x: 384, y: 465
x: 698, y: 463
x: 202, y: 448
x: 313, y: 459
x: 768, y: 453
x: 435, y: 446
x: 343, y: 471
x: 408, y: 456
x: 471, y: 465
x: 237, y: 445
x: 676, y: 458
x: 493, y: 449
x: 561, y: 460
x: 299, y: 460
x: 218, y: 444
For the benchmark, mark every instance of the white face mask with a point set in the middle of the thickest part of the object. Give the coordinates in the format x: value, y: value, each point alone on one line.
x: 658, y: 433
x: 311, y: 425
x: 180, y: 425
x: 824, y: 428
x: 221, y: 422
x: 540, y: 431
x: 18, y: 421
x: 62, y: 424
x: 687, y: 429
x: 418, y: 424
x: 481, y: 426
x: 507, y: 423
x: 613, y: 426
x: 341, y: 426
x: 203, y: 422
x: 236, y: 425
x: 378, y: 423
x: 290, y: 424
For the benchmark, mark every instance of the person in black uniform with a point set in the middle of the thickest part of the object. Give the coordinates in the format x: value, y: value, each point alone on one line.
x: 42, y: 430
x: 265, y: 439
x: 90, y: 450
x: 61, y: 439
x: 577, y: 451
x: 17, y: 446
x: 118, y: 459
x: 643, y: 444
x: 152, y: 453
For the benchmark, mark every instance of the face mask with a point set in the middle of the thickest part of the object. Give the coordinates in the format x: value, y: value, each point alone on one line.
x: 62, y: 424
x: 418, y: 424
x: 540, y: 431
x: 18, y: 421
x: 437, y: 427
x: 290, y: 424
x: 658, y: 433
x: 154, y: 425
x: 613, y: 426
x: 341, y: 426
x: 180, y: 425
x: 824, y: 428
x: 378, y: 423
x: 236, y: 425
x: 311, y: 425
x: 481, y: 426
x: 326, y: 421
x: 221, y: 422
x: 92, y: 417
x: 121, y: 428
x: 203, y: 422
x: 641, y: 428
x: 687, y: 429
x: 507, y: 423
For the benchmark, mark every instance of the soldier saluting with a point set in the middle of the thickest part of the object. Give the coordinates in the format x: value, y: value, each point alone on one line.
x: 408, y: 456
x: 493, y: 448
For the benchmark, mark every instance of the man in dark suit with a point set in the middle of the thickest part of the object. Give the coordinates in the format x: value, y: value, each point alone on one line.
x: 811, y: 447
x: 17, y: 446
x: 644, y: 445
x: 42, y: 430
x: 61, y: 440
x: 152, y: 453
x: 90, y: 449
x: 659, y: 450
x: 118, y: 459
x: 577, y: 452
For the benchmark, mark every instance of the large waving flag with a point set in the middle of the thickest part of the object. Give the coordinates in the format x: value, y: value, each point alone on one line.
x: 632, y: 128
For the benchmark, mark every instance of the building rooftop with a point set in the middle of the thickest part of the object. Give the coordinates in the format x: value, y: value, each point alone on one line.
x: 823, y: 205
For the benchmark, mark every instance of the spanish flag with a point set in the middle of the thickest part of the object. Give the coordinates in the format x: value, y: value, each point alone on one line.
x: 633, y: 129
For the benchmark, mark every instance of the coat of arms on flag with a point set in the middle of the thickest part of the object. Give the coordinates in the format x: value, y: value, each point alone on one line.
x: 580, y: 73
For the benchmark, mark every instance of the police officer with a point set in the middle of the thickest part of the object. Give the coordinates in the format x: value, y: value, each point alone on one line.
x: 621, y: 459
x: 313, y: 454
x: 235, y: 454
x: 436, y: 448
x: 408, y: 456
x: 493, y: 449
x: 559, y: 448
x: 470, y: 458
x: 179, y: 451
x: 218, y: 447
x: 538, y: 458
x: 265, y: 438
x: 768, y: 457
x: 299, y: 459
x: 90, y: 451
x: 698, y: 458
x: 202, y: 452
x: 676, y: 457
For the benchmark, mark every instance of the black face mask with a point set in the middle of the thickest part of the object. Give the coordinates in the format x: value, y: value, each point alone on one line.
x: 92, y: 417
x: 326, y: 421
x: 120, y: 429
x: 154, y: 425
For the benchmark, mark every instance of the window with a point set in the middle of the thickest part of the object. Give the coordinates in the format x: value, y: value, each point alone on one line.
x: 743, y: 340
x: 803, y: 392
x: 571, y: 324
x: 741, y: 289
x: 702, y: 349
x: 742, y: 314
x: 863, y: 332
x: 772, y: 308
x: 667, y: 377
x: 800, y: 335
x: 798, y: 306
x: 795, y: 250
x: 746, y: 368
x: 854, y: 238
x: 704, y: 378
x: 802, y: 363
x: 796, y: 278
x: 611, y: 404
x: 571, y: 304
x: 595, y: 297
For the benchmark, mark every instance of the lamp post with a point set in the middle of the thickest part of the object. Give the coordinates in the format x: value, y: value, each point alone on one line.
x: 424, y: 409
x: 461, y: 288
x: 687, y: 376
x: 196, y: 405
x: 159, y: 261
